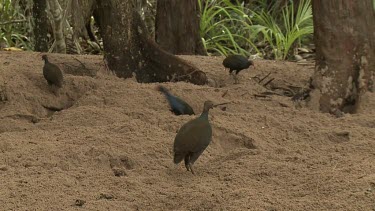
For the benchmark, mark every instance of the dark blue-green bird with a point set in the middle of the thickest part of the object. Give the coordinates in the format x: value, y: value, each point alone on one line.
x: 193, y: 138
x: 236, y: 63
x: 177, y: 105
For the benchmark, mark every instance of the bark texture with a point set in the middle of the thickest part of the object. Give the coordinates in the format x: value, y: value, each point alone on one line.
x: 177, y: 27
x: 57, y: 19
x: 80, y: 15
x: 40, y: 25
x: 344, y: 33
x: 129, y: 50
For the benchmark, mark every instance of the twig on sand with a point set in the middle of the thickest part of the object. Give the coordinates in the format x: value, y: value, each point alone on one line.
x: 260, y: 81
x: 268, y: 82
x: 225, y: 93
x: 84, y: 66
x: 221, y: 104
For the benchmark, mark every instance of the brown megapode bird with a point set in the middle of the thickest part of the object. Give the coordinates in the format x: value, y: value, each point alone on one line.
x: 52, y: 73
x: 237, y: 63
x: 193, y: 138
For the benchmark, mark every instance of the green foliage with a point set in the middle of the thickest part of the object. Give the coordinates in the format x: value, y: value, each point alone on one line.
x: 223, y: 27
x: 282, y: 32
x: 228, y: 28
x: 13, y: 26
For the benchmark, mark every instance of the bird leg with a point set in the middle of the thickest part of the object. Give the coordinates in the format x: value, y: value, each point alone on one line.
x: 188, y: 164
x: 187, y: 161
x: 232, y: 73
x: 191, y: 169
x: 55, y: 90
x: 235, y: 79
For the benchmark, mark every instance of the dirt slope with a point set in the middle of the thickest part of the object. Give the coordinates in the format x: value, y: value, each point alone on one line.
x: 111, y: 145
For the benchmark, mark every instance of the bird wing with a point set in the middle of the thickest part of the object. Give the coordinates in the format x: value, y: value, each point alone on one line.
x: 186, y: 108
x: 175, y: 103
x: 235, y: 62
x: 57, y: 70
x: 194, y: 136
x: 52, y: 72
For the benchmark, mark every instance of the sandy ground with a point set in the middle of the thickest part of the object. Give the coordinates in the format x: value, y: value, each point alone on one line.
x: 110, y: 148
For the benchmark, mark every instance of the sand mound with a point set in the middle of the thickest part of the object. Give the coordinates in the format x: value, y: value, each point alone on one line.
x: 105, y: 143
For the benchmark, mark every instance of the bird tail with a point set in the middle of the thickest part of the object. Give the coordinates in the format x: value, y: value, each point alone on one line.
x: 177, y: 158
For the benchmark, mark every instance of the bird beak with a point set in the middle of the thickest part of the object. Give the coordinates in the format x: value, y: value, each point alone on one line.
x: 219, y: 104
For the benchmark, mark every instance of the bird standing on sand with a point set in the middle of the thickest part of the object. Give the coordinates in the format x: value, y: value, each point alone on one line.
x: 52, y: 73
x: 237, y: 63
x: 178, y: 106
x: 193, y: 138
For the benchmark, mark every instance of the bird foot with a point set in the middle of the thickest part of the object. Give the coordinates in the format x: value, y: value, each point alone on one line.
x: 191, y: 169
x: 236, y: 81
x: 57, y: 91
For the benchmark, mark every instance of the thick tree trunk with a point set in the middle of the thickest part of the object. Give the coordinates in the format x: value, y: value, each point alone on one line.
x: 129, y: 50
x: 345, y: 56
x: 40, y: 25
x: 80, y: 14
x: 177, y: 27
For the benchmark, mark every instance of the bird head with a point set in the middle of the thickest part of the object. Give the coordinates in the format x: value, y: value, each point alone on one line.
x: 44, y: 57
x: 208, y: 105
x: 162, y: 89
x: 251, y: 63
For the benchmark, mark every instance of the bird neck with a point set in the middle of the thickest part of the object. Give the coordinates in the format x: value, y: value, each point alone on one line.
x: 166, y: 93
x: 45, y: 61
x: 204, y: 114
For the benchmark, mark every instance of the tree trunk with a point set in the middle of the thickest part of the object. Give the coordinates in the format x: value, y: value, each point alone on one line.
x: 129, y: 50
x: 177, y: 27
x: 40, y: 25
x: 57, y: 22
x: 80, y: 14
x: 345, y: 56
